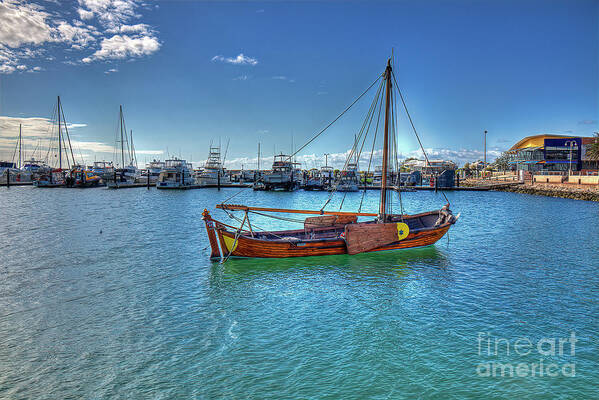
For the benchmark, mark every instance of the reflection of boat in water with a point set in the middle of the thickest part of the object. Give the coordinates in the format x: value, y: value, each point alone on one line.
x: 175, y: 175
x: 372, y: 264
x: 335, y: 232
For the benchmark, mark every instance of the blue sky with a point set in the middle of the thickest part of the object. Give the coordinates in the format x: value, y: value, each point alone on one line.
x: 191, y: 72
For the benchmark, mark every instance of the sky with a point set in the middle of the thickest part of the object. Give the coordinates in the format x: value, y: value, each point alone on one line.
x: 190, y: 73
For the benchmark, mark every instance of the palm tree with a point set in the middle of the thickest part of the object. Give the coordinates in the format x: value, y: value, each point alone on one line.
x: 593, y: 148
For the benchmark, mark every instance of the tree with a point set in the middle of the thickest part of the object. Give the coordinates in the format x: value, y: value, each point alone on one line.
x: 467, y: 166
x: 593, y: 148
x: 502, y: 162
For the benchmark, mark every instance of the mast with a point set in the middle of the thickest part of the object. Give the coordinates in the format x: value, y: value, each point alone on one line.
x: 59, y: 136
x: 20, y: 147
x: 133, y: 156
x: 383, y: 201
x: 258, y: 158
x: 122, y: 140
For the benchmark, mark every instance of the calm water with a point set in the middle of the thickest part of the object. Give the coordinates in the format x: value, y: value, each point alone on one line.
x: 110, y: 294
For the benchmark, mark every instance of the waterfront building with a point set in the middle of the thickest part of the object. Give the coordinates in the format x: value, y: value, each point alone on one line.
x: 547, y: 152
x: 433, y: 166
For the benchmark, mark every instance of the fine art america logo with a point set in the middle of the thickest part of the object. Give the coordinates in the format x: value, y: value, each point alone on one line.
x: 545, y: 351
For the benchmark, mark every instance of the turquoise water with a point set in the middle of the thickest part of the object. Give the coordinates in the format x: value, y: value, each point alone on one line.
x: 110, y: 294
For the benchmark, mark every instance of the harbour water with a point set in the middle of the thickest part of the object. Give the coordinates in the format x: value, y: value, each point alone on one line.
x: 110, y: 294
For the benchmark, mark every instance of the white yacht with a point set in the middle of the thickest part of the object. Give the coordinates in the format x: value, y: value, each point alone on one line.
x: 348, y: 181
x: 175, y: 175
x: 284, y: 175
x: 213, y: 172
x: 153, y: 168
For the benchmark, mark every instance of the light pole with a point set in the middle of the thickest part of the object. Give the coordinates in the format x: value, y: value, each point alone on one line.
x: 485, y: 151
x: 326, y: 159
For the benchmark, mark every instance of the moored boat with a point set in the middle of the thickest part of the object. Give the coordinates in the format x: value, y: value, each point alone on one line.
x: 283, y: 176
x: 175, y: 175
x: 336, y: 232
x: 213, y: 172
x: 126, y: 171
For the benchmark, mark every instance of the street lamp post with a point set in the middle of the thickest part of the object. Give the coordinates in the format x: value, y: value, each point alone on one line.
x: 326, y: 159
x: 485, y: 152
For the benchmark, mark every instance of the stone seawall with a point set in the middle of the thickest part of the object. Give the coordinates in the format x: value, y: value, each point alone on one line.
x: 589, y: 194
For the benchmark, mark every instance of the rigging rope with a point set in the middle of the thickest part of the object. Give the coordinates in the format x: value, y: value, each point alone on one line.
x: 355, y: 145
x: 414, y: 128
x: 335, y: 120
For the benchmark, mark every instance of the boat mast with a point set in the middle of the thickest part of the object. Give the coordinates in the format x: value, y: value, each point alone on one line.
x: 133, y: 156
x: 122, y: 140
x: 59, y: 136
x: 20, y: 147
x: 383, y: 201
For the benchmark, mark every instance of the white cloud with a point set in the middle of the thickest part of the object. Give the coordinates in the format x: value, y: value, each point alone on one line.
x: 6, y: 69
x: 111, y: 71
x: 85, y: 14
x: 78, y: 36
x: 241, y: 59
x: 36, y: 133
x: 283, y: 78
x: 149, y: 152
x: 124, y: 46
x: 110, y: 13
x: 26, y: 27
x: 21, y: 67
x: 23, y: 24
x: 241, y: 78
x: 138, y: 28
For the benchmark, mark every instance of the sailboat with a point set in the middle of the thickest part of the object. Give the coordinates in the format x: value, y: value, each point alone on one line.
x: 127, y: 172
x: 336, y: 232
x: 56, y: 176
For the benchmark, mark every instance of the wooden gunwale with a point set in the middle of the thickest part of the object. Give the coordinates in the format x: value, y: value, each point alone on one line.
x: 249, y: 247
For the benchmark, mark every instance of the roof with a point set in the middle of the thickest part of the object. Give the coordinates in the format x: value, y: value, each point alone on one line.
x: 536, y: 141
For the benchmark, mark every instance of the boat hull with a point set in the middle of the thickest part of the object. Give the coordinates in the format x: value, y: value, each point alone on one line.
x: 230, y: 245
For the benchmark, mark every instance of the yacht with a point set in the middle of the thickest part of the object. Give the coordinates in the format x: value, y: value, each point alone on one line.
x: 348, y: 181
x: 175, y: 175
x: 314, y: 180
x: 153, y: 169
x: 213, y: 173
x: 284, y: 175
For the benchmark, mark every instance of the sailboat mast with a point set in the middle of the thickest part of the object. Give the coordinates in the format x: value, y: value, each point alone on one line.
x: 20, y: 147
x: 383, y: 201
x: 59, y: 136
x: 133, y: 157
x: 122, y: 140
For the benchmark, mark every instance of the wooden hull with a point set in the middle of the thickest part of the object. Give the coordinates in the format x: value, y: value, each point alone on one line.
x: 246, y: 246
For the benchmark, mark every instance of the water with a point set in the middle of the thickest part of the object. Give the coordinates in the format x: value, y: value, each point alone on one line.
x: 110, y: 294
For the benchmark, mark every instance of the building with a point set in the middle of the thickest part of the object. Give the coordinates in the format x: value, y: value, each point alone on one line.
x: 434, y: 166
x: 548, y: 152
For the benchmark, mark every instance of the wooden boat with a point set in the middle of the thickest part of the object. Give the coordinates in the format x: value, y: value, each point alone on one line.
x: 332, y: 232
